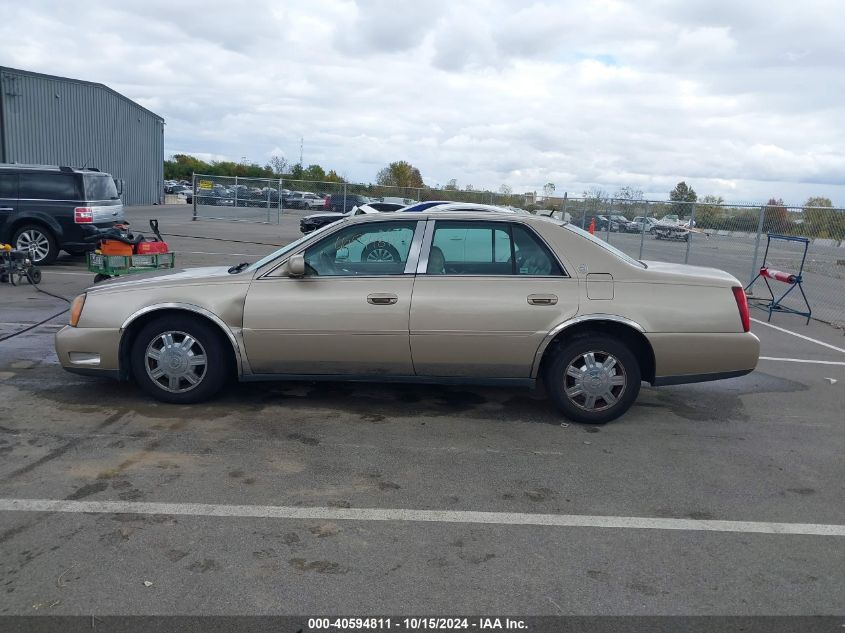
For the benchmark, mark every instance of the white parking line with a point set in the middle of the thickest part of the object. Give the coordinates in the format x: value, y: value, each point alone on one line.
x: 806, y: 338
x: 431, y: 516
x: 804, y: 360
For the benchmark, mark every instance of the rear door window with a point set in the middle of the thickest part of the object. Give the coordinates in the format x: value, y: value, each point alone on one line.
x: 470, y: 248
x: 488, y: 248
x: 56, y: 186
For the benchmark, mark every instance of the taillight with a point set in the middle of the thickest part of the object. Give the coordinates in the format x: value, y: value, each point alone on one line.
x: 742, y: 305
x: 83, y: 215
x: 327, y: 202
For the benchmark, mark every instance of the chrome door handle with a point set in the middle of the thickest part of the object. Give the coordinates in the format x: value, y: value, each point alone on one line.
x: 382, y: 299
x: 542, y: 300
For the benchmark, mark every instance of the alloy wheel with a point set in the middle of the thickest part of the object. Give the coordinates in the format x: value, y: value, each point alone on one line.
x: 35, y: 242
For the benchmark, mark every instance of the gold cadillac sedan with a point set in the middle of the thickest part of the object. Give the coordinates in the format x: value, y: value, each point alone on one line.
x: 456, y: 294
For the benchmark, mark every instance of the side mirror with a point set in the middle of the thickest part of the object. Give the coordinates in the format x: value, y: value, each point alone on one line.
x: 296, y: 265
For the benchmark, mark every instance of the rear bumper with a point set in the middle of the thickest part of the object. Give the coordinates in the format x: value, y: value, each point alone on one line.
x: 690, y: 378
x: 699, y: 357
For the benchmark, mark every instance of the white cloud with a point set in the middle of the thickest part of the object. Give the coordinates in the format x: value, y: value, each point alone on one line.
x: 740, y: 99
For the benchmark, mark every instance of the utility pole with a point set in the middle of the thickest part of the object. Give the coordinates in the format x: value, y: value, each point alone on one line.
x: 301, y: 141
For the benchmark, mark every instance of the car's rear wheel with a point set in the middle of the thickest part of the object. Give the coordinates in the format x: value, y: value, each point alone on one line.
x: 593, y: 379
x: 180, y: 359
x: 39, y: 241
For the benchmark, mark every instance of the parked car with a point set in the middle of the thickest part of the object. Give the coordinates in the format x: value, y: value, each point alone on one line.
x: 540, y: 300
x: 218, y: 195
x: 318, y: 220
x: 342, y: 203
x: 47, y: 208
x: 304, y: 200
x: 636, y: 225
x: 618, y: 222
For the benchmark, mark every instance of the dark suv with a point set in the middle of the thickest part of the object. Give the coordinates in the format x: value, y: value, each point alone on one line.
x: 46, y: 208
x: 340, y: 203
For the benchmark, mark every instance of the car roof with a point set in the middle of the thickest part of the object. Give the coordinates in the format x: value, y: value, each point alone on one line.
x: 461, y: 212
x: 49, y: 168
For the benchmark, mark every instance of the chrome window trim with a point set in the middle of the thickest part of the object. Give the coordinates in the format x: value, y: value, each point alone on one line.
x: 235, y: 337
x: 538, y: 356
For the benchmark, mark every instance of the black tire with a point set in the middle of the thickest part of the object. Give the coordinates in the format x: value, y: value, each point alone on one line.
x: 380, y: 252
x: 209, y: 342
x: 40, y: 235
x: 576, y: 406
x: 34, y: 276
x: 101, y: 277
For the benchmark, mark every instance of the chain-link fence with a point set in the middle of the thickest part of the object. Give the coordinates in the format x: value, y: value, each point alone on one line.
x: 724, y: 236
x: 267, y: 199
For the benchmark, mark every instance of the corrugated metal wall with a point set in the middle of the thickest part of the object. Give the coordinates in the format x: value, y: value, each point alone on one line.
x: 56, y: 121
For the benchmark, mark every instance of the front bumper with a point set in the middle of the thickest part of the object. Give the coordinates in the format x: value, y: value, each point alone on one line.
x: 89, y: 351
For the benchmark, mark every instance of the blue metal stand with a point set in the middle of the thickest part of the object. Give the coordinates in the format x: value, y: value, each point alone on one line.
x: 774, y: 304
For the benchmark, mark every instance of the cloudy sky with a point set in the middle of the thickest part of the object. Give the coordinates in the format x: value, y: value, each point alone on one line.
x: 740, y: 98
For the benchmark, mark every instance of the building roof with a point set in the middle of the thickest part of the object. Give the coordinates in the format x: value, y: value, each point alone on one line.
x: 29, y: 73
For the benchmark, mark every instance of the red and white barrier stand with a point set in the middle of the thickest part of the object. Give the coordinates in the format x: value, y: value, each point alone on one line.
x: 793, y: 280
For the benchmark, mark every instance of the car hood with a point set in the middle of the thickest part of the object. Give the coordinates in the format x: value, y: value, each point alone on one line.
x: 184, y: 276
x: 691, y: 275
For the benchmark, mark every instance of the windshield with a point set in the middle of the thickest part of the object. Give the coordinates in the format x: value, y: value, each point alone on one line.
x: 604, y: 245
x: 100, y: 187
x: 289, y: 247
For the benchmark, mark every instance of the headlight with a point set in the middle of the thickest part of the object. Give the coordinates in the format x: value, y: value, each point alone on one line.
x: 76, y: 309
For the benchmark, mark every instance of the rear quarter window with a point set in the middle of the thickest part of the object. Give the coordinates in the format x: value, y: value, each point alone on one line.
x: 8, y: 185
x: 55, y: 186
x: 100, y: 187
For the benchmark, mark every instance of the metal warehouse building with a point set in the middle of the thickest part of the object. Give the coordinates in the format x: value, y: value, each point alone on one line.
x: 58, y: 121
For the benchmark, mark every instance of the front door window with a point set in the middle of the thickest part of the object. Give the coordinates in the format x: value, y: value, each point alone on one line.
x: 369, y: 249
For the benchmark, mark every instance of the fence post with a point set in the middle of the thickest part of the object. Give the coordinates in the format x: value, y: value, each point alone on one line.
x: 279, y: 210
x: 344, y: 197
x: 608, y: 212
x: 689, y: 235
x: 194, y: 196
x: 757, y: 245
x: 236, y: 192
x: 642, y: 230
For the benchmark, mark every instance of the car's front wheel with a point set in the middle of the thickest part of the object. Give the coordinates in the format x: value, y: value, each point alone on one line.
x: 593, y: 379
x: 180, y: 359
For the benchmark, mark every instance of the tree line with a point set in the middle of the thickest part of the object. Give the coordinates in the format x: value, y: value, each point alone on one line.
x: 818, y: 218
